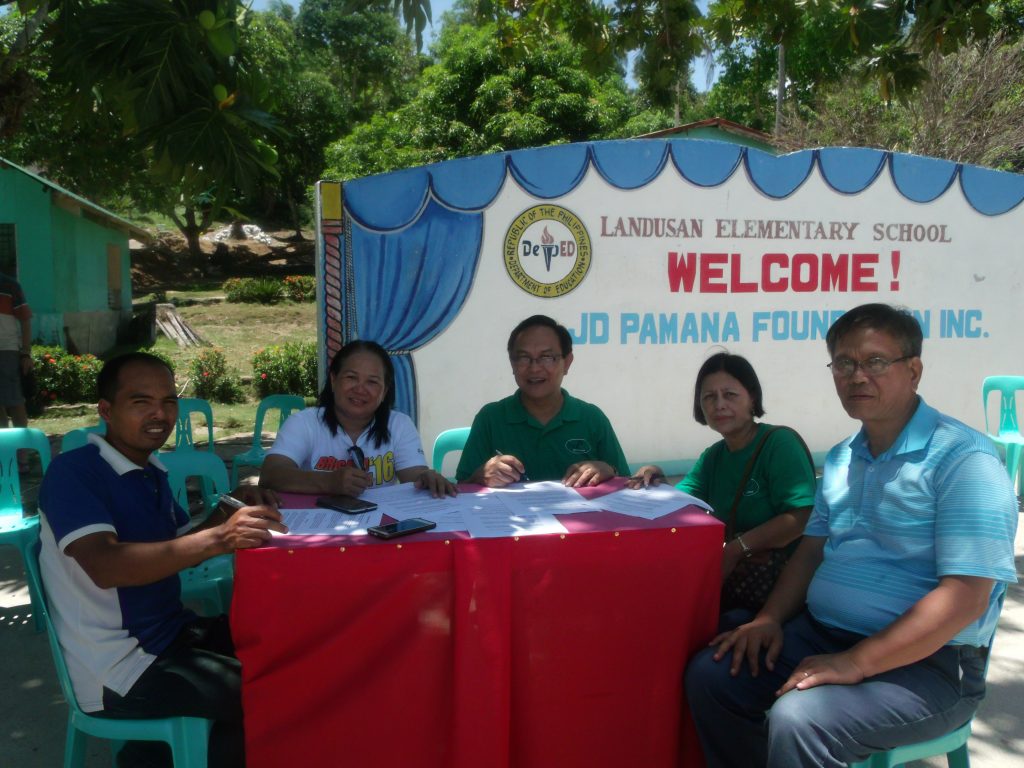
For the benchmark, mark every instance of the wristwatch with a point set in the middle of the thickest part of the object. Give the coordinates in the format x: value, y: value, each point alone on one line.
x: 747, y: 551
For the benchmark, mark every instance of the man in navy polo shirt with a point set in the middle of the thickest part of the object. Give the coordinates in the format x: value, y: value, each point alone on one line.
x: 877, y: 631
x: 113, y: 542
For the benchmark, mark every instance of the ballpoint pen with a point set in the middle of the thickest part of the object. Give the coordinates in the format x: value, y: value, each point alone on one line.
x: 231, y: 501
x: 522, y: 475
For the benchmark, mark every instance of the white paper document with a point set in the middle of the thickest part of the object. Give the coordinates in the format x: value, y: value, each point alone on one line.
x: 648, y: 503
x: 327, y: 522
x: 546, y: 496
x: 491, y: 517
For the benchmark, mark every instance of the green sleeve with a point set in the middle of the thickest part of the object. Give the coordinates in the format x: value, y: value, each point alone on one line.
x: 479, y: 446
x: 696, y: 481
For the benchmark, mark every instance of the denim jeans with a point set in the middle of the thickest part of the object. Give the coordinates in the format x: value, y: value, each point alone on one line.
x: 740, y: 722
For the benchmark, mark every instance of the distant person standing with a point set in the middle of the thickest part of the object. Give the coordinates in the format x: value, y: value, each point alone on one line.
x: 15, y: 351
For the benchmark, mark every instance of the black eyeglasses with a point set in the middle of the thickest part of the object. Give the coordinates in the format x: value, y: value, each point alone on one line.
x: 873, y: 366
x: 358, y: 457
x: 544, y: 361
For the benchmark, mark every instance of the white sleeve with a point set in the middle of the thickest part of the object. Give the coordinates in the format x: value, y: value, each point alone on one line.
x: 295, y: 440
x: 406, y: 442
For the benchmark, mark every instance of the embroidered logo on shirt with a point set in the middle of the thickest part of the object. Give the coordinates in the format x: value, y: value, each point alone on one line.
x: 578, y: 445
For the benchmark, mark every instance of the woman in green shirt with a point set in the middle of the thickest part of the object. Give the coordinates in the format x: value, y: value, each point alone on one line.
x: 776, y: 500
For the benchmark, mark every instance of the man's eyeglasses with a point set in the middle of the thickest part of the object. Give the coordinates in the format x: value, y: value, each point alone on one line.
x: 358, y: 457
x: 544, y: 361
x: 873, y: 366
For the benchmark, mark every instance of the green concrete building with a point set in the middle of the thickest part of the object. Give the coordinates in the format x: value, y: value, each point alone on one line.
x: 71, y: 257
x: 718, y: 129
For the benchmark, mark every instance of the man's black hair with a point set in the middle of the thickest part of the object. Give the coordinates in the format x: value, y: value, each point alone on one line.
x: 108, y: 381
x: 543, y: 321
x: 895, y: 321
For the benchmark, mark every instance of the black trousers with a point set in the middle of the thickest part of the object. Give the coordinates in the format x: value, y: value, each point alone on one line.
x: 197, y: 676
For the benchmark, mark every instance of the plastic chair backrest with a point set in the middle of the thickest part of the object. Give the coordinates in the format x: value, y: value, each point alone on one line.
x: 183, y: 430
x: 1007, y: 387
x: 206, y: 465
x: 187, y: 736
x: 76, y: 438
x: 448, y: 441
x: 11, y: 441
x: 286, y: 404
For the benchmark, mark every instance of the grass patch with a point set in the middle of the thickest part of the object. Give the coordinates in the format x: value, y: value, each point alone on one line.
x: 239, y: 330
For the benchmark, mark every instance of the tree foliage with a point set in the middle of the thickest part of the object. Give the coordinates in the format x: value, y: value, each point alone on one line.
x: 482, y: 97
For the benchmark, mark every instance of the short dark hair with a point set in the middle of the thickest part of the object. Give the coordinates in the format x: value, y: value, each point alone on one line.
x: 380, y: 432
x: 898, y: 322
x: 543, y: 321
x: 109, y: 379
x: 736, y: 366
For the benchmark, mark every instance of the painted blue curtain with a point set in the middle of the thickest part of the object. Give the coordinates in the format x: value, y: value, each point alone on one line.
x: 410, y: 285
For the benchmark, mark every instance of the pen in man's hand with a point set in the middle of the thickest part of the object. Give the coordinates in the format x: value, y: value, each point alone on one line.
x: 231, y: 501
x: 522, y: 476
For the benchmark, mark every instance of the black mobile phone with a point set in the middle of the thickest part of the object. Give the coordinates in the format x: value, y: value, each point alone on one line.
x: 402, y: 528
x: 350, y: 505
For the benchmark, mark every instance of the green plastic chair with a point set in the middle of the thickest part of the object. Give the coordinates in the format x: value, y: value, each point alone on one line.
x: 953, y: 744
x: 183, y: 429
x: 76, y: 438
x: 209, y: 584
x: 188, y: 737
x: 449, y: 441
x: 1008, y: 435
x: 254, y: 457
x: 16, y: 529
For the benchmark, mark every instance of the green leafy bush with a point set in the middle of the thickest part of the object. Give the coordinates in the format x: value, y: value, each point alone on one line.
x: 63, y: 377
x: 289, y: 369
x: 300, y: 287
x: 211, y: 378
x: 253, y: 290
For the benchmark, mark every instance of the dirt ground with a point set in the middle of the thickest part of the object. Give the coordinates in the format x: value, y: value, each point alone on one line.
x: 165, y: 262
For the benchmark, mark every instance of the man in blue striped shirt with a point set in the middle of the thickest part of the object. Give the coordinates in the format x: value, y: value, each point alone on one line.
x: 877, y: 633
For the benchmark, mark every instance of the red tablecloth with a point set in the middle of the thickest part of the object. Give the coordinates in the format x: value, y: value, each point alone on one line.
x: 440, y: 651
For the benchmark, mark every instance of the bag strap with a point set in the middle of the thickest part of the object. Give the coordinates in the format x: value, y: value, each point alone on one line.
x: 730, y: 526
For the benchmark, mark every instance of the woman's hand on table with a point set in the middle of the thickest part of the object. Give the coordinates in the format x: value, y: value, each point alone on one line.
x: 351, y: 481
x: 587, y: 473
x: 435, y: 483
x: 647, y: 475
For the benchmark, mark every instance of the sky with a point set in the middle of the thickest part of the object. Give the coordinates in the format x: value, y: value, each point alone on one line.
x: 437, y: 7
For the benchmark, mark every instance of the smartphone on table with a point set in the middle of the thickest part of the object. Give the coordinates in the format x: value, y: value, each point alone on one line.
x: 350, y: 505
x: 401, y: 528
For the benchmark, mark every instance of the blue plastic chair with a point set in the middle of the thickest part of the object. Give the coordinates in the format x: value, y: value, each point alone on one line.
x: 449, y: 441
x: 209, y: 584
x: 1008, y: 435
x: 254, y: 457
x: 16, y: 529
x: 188, y: 737
x: 183, y: 429
x: 206, y: 465
x: 76, y: 438
x: 953, y: 744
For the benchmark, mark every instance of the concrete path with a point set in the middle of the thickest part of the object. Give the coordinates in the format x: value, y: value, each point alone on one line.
x: 33, y: 714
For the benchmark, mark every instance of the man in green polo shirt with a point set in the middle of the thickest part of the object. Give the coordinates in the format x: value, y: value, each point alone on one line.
x: 541, y: 432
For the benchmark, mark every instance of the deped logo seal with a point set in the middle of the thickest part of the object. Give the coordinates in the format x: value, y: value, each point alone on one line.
x: 547, y: 251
